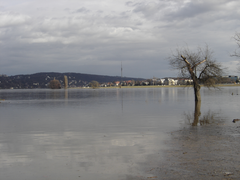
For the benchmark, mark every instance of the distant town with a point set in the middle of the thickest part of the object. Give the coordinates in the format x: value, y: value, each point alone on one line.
x: 171, y: 81
x: 78, y: 80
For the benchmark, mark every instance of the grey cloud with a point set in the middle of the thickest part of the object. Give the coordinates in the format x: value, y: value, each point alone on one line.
x: 82, y: 10
x: 128, y: 3
x: 148, y: 10
x: 152, y: 10
x: 96, y: 40
x: 192, y: 9
x: 172, y: 11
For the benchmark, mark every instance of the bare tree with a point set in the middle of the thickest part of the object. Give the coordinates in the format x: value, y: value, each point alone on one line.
x: 236, y: 37
x: 198, y: 65
x: 236, y: 53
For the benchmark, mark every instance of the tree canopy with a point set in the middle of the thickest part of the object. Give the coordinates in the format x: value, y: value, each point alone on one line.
x: 236, y: 37
x: 54, y: 84
x: 94, y: 84
x: 236, y: 53
x: 198, y: 65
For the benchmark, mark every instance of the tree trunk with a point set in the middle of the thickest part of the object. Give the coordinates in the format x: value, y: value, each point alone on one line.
x: 197, y: 113
x: 197, y: 94
x: 196, y: 86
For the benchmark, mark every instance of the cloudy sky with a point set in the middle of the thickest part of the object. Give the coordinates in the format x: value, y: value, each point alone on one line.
x: 95, y: 36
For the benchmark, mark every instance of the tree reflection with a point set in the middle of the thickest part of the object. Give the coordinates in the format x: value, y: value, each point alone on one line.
x: 197, y: 118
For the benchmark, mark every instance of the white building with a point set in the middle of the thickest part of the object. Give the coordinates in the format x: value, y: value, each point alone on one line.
x: 169, y: 81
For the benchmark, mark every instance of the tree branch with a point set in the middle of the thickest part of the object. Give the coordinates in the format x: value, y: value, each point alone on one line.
x: 193, y: 75
x: 202, y: 72
x: 185, y: 59
x: 199, y: 63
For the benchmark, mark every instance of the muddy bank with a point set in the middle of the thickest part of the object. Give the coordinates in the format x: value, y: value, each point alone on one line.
x: 206, y: 152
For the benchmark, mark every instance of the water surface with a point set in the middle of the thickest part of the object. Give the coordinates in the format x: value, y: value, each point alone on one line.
x: 96, y: 134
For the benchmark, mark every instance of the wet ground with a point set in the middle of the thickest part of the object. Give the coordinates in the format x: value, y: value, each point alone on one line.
x: 206, y: 152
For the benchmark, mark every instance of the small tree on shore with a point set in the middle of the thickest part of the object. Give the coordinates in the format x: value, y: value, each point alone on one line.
x: 198, y: 65
x: 54, y: 84
x: 94, y: 84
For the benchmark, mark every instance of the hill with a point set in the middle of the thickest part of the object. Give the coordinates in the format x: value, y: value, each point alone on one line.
x: 41, y: 80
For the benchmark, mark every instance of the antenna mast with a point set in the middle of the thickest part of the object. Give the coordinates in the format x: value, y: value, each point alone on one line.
x: 121, y: 72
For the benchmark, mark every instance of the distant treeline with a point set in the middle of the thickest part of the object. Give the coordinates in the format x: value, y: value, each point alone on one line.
x: 41, y: 80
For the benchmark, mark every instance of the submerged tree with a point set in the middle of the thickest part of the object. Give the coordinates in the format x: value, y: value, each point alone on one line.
x: 198, y: 118
x: 197, y: 113
x: 197, y: 65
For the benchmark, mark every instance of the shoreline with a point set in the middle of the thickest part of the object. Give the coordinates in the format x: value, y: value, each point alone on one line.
x: 154, y: 86
x: 166, y: 86
x: 127, y: 87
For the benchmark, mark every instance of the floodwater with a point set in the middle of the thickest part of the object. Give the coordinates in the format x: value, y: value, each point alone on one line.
x: 101, y: 134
